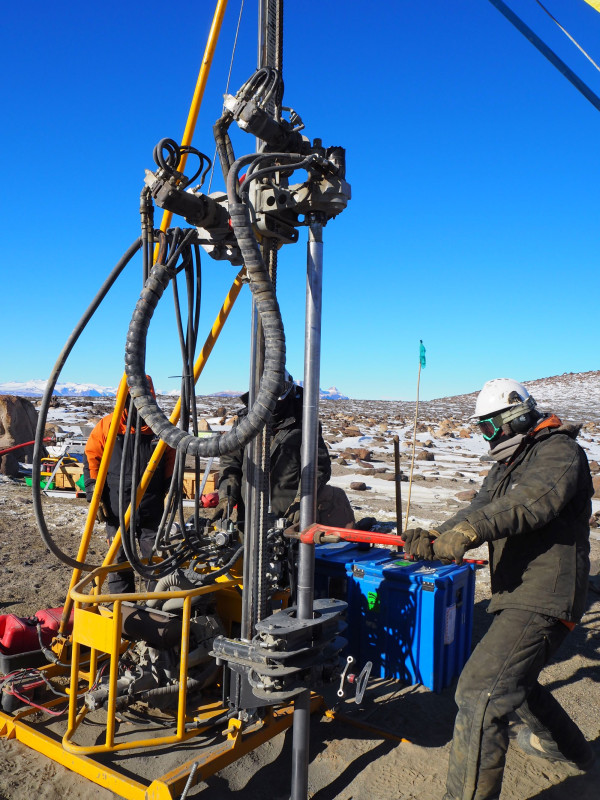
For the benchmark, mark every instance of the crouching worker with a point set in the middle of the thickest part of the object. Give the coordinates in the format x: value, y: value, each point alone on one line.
x: 149, y: 513
x: 286, y: 441
x: 533, y: 510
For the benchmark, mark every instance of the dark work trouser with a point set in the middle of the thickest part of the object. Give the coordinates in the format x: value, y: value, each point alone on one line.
x: 500, y: 677
x: 124, y: 581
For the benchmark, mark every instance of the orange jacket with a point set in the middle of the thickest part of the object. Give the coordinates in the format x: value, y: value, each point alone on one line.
x: 97, y: 442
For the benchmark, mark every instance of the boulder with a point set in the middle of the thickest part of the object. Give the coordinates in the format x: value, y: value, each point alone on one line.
x: 18, y: 421
x: 424, y: 455
x: 467, y: 495
x: 221, y: 411
x: 358, y: 486
x: 351, y: 432
x: 203, y: 425
x: 446, y: 428
x: 464, y: 433
x: 596, y: 485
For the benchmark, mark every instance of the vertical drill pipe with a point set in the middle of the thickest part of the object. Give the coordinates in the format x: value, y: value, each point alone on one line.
x: 254, y: 484
x: 188, y: 133
x: 398, y: 485
x: 270, y: 44
x: 308, y: 486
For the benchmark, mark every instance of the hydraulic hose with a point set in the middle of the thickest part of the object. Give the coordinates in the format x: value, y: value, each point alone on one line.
x: 270, y: 315
x: 192, y: 684
x: 45, y: 404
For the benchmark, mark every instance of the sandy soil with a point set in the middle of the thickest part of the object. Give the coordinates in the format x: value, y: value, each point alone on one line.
x: 348, y: 761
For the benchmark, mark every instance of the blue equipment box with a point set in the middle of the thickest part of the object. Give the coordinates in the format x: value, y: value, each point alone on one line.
x: 332, y: 562
x: 413, y: 620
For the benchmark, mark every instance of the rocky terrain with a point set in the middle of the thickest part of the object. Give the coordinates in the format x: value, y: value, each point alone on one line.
x: 347, y: 762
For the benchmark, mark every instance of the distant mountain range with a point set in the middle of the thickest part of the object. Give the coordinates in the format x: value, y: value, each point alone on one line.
x: 35, y: 388
x: 325, y: 394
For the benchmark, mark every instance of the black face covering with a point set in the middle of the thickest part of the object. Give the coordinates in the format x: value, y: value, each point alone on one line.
x: 284, y: 408
x: 505, y: 446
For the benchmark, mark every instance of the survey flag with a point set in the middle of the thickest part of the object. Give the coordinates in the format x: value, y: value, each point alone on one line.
x: 422, y: 354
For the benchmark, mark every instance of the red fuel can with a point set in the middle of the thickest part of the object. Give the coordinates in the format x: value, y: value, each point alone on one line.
x: 17, y: 634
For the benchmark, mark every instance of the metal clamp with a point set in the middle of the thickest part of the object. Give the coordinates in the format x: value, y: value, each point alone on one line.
x: 360, y: 680
x: 340, y: 691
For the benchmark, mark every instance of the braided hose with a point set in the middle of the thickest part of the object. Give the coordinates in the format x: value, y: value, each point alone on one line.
x: 270, y: 316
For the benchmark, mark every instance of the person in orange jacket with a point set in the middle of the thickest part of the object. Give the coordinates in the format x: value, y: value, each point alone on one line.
x: 150, y: 510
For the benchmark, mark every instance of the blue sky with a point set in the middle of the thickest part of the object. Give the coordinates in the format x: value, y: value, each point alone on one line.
x: 473, y: 163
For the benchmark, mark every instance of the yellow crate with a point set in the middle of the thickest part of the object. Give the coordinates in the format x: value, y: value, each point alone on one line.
x: 189, y: 483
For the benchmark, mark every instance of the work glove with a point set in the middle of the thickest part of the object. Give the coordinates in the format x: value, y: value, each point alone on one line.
x: 453, y: 544
x: 293, y: 511
x: 102, y: 513
x: 417, y: 543
x: 89, y: 490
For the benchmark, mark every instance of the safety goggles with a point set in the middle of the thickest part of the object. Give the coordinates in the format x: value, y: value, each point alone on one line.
x: 492, y: 426
x: 489, y: 429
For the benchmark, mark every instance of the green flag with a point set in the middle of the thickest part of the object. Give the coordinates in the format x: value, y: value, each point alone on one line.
x: 422, y: 354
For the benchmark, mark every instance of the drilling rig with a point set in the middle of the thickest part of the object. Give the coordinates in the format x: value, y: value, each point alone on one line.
x: 229, y: 638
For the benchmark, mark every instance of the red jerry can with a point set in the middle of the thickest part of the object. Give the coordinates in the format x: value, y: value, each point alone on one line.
x: 17, y: 634
x: 50, y: 621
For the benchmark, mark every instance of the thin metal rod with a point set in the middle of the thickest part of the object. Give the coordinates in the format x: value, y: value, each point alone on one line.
x: 398, y: 485
x: 308, y: 486
x: 414, y: 445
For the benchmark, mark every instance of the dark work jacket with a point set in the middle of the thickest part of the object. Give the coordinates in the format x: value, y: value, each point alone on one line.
x: 286, y: 441
x: 149, y: 512
x: 534, y: 511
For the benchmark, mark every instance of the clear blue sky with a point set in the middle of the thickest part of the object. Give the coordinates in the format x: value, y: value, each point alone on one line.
x: 473, y: 164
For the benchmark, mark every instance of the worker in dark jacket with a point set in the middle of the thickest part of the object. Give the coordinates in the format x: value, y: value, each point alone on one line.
x: 286, y: 441
x: 533, y: 509
x: 150, y: 510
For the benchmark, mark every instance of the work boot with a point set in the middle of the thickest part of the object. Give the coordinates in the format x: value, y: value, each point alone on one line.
x: 534, y: 746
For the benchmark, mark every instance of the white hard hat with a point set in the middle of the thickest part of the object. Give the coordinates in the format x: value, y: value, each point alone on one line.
x: 497, y: 395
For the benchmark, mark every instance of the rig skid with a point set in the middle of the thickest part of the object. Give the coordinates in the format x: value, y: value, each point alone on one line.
x: 226, y: 638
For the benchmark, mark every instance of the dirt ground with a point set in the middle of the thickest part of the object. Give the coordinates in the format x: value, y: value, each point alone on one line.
x: 348, y: 761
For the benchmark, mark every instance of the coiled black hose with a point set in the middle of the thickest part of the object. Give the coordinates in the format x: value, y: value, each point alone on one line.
x: 174, y: 152
x: 270, y: 316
